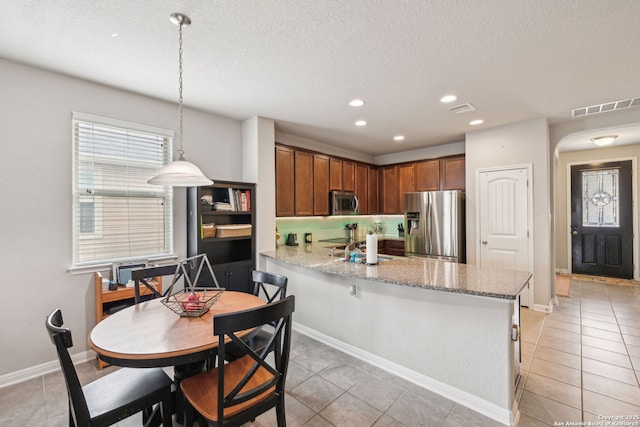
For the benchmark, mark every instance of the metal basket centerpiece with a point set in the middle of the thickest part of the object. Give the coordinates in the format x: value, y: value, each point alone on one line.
x: 192, y: 301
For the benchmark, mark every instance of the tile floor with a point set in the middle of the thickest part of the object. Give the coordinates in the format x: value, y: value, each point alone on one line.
x: 577, y: 363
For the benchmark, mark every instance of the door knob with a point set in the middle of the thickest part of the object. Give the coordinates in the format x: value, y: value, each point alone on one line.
x: 574, y: 232
x: 484, y: 242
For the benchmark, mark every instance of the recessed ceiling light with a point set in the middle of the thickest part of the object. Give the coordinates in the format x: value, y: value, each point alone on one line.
x: 356, y: 103
x: 476, y: 122
x: 604, y: 140
x: 448, y: 98
x: 361, y: 123
x: 398, y: 138
x: 115, y: 35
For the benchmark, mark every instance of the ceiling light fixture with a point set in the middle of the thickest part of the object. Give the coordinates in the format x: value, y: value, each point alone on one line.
x: 604, y: 140
x: 356, y: 103
x: 361, y: 123
x: 398, y: 138
x: 180, y: 173
x: 476, y: 122
x: 448, y: 98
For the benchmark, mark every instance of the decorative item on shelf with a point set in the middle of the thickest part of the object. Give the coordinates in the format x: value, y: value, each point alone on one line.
x: 233, y: 230
x: 206, y: 202
x: 180, y: 173
x: 192, y: 301
x: 208, y: 230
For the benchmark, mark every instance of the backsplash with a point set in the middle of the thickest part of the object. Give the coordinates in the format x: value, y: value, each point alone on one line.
x: 330, y: 227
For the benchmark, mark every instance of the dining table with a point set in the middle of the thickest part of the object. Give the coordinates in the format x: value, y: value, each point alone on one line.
x: 150, y: 334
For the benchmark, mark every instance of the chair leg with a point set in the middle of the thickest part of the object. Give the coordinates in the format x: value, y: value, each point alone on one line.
x: 166, y: 410
x: 188, y: 414
x: 280, y: 414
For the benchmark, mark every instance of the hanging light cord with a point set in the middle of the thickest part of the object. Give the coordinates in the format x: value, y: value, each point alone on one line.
x: 180, y: 150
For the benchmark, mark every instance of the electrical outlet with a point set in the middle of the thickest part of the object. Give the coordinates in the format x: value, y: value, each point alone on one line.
x: 353, y: 290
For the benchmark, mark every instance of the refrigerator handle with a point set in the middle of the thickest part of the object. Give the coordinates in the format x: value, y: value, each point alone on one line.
x: 427, y: 221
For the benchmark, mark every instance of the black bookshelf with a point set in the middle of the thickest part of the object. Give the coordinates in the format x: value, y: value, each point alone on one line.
x: 232, y: 258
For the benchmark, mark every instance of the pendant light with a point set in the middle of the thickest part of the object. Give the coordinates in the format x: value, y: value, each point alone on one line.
x: 180, y: 173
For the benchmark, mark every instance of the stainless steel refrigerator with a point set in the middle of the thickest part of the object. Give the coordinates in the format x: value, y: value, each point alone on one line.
x: 434, y: 225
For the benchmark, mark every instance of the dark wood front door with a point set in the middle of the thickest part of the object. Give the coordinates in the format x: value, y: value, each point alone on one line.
x: 601, y: 219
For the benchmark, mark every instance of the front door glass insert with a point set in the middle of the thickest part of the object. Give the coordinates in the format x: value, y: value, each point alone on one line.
x: 600, y: 206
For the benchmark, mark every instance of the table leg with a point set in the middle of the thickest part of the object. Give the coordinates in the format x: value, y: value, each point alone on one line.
x: 181, y: 372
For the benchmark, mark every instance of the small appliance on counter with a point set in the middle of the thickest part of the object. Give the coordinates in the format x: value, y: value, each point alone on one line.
x: 292, y: 239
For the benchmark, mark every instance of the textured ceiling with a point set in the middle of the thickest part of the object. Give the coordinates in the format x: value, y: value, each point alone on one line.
x: 300, y: 62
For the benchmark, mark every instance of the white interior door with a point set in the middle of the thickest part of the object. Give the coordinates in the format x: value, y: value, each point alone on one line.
x: 504, y: 218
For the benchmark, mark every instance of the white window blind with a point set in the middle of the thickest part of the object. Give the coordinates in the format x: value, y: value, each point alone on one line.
x: 116, y: 214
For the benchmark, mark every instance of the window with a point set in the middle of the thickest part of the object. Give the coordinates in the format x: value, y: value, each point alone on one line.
x: 116, y: 214
x: 600, y: 206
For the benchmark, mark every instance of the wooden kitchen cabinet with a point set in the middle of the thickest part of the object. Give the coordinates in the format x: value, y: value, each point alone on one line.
x: 388, y: 185
x: 427, y: 175
x: 452, y: 175
x: 348, y: 176
x: 303, y: 183
x: 372, y: 190
x: 335, y: 174
x: 321, y: 168
x: 406, y: 183
x: 285, y: 194
x: 360, y: 187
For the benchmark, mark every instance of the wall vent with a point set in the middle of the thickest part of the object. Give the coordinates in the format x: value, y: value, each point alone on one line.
x: 462, y: 108
x: 606, y: 107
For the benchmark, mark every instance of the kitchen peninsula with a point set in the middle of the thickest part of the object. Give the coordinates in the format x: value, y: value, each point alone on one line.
x: 444, y: 326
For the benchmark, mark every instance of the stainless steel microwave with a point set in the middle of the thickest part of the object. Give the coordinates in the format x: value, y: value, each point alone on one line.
x: 343, y: 203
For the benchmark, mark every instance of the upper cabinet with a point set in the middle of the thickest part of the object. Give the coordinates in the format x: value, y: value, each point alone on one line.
x: 388, y: 189
x: 303, y: 183
x: 427, y: 175
x: 304, y: 180
x: 452, y: 175
x: 321, y: 169
x: 335, y: 174
x: 284, y: 181
x: 348, y: 176
x: 360, y: 188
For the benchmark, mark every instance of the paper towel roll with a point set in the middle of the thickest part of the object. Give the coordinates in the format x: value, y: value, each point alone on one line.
x: 372, y: 249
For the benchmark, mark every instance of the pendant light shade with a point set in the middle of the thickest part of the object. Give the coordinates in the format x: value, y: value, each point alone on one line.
x: 180, y: 173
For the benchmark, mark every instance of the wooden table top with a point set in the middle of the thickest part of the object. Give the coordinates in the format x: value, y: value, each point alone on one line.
x: 150, y: 334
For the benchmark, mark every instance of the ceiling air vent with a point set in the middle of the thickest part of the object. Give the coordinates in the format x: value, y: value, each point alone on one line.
x: 606, y: 107
x: 462, y: 108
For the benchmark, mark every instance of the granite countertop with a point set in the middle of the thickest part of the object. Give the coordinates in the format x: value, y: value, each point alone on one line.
x: 409, y: 271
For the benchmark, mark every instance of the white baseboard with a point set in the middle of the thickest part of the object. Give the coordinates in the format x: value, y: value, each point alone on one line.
x: 546, y: 308
x: 42, y: 369
x: 562, y: 271
x: 491, y: 410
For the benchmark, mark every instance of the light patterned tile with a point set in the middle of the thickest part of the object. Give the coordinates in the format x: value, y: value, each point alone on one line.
x: 556, y: 371
x: 547, y: 410
x: 316, y: 393
x: 349, y: 411
x: 606, y: 356
x: 609, y: 371
x: 604, y: 344
x: 611, y: 388
x: 611, y: 327
x: 409, y: 409
x: 376, y: 392
x: 553, y: 389
x: 560, y: 357
x: 599, y: 333
x: 596, y: 403
x: 461, y: 415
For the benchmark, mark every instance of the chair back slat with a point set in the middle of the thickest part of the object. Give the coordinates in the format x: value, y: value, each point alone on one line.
x: 270, y: 286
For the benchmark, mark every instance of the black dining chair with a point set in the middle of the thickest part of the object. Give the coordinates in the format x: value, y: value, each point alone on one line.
x: 270, y: 287
x: 113, y: 397
x: 142, y: 276
x: 237, y: 392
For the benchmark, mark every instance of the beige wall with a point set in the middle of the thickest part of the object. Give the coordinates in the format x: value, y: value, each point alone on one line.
x: 562, y: 193
x: 516, y: 144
